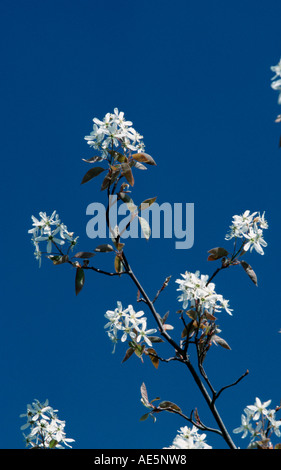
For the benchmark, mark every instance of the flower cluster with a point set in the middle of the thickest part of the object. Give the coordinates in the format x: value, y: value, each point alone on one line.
x: 260, y: 422
x: 130, y: 324
x: 196, y: 290
x: 51, y: 230
x: 250, y: 227
x: 276, y: 84
x: 47, y: 431
x: 114, y: 131
x: 189, y: 439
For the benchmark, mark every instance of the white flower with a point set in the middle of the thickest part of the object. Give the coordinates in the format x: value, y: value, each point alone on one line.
x: 259, y: 408
x: 46, y: 428
x: 115, y: 131
x: 189, y: 439
x: 277, y: 70
x: 277, y: 86
x: 255, y: 240
x: 246, y: 426
x: 194, y: 289
x: 50, y: 238
x: 142, y: 333
x: 250, y: 227
x: 42, y: 231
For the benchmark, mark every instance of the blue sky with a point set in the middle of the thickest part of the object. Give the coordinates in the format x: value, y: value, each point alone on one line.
x: 194, y: 78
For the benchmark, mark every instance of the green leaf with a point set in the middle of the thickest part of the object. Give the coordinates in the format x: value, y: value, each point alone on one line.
x: 217, y: 253
x: 148, y: 202
x: 106, y: 248
x: 143, y: 158
x: 249, y: 270
x: 58, y: 259
x: 145, y: 227
x: 79, y: 280
x: 84, y: 255
x: 168, y: 404
x: 92, y: 173
x: 144, y: 417
x: 53, y: 444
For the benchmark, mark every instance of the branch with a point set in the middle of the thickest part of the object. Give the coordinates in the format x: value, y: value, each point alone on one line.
x: 216, y: 395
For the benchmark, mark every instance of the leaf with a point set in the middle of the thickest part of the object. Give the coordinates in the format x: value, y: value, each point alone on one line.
x: 106, y: 248
x: 127, y: 172
x: 218, y: 340
x: 128, y: 200
x: 156, y: 339
x: 249, y: 270
x: 217, y: 253
x: 53, y: 444
x: 137, y: 165
x: 92, y: 159
x: 58, y: 259
x: 128, y: 354
x: 144, y: 394
x: 152, y: 355
x: 143, y: 158
x: 168, y: 404
x: 92, y: 173
x: 110, y: 177
x: 148, y: 202
x: 79, y: 280
x: 84, y: 255
x: 118, y: 264
x: 144, y: 417
x: 145, y: 227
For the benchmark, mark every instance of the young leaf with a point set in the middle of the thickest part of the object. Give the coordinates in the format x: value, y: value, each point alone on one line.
x: 145, y: 227
x: 79, y: 280
x: 92, y: 159
x: 84, y: 255
x: 128, y: 354
x: 218, y: 340
x: 152, y: 355
x: 148, y: 202
x: 106, y: 248
x: 144, y: 394
x: 168, y: 404
x: 58, y: 259
x: 143, y: 158
x: 217, y: 253
x: 53, y: 444
x: 118, y: 264
x: 92, y: 173
x: 156, y: 339
x: 144, y: 417
x: 249, y: 270
x: 126, y: 169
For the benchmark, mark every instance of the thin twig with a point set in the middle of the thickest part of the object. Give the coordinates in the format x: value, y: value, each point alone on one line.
x: 216, y: 395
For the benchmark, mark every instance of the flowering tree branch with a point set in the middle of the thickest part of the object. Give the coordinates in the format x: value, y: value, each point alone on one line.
x: 122, y: 150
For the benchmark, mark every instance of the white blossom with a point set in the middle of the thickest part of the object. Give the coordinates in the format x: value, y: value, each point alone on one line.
x: 250, y: 228
x: 189, y: 438
x: 195, y: 288
x: 51, y: 230
x: 47, y: 430
x: 114, y: 131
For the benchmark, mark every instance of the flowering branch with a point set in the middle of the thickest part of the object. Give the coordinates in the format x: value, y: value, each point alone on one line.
x: 122, y: 150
